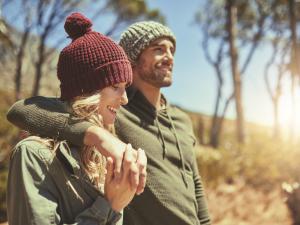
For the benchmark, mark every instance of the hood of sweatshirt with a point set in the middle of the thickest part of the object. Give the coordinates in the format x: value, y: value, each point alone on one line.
x: 159, y: 118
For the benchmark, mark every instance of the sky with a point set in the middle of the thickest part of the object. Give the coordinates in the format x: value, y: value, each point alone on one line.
x: 195, y: 84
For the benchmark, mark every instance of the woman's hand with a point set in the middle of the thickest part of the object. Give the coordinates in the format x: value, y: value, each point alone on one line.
x: 110, y: 146
x: 119, y: 193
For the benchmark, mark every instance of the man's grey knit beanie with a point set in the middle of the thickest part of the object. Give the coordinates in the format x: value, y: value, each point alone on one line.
x: 139, y: 35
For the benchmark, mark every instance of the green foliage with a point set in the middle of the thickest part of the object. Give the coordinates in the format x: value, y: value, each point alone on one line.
x: 130, y: 10
x: 3, y: 179
x: 247, y: 15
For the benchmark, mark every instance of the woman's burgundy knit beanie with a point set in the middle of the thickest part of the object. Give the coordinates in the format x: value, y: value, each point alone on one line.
x: 91, y: 62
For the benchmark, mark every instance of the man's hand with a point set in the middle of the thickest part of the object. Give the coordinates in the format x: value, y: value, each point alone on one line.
x: 142, y: 165
x: 110, y: 146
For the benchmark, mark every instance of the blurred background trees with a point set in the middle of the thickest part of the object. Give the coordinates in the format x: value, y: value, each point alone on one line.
x: 232, y: 34
x: 233, y: 26
x: 39, y: 31
x: 31, y: 34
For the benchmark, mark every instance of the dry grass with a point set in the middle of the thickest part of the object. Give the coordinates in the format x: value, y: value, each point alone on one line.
x: 239, y: 204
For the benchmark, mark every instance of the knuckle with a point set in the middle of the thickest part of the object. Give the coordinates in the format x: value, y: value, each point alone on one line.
x: 134, y: 172
x: 116, y: 171
x: 141, y: 165
x: 142, y: 168
x: 133, y: 168
x: 127, y: 160
x: 143, y: 174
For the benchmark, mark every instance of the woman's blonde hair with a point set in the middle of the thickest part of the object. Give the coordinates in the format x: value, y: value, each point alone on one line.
x: 93, y: 162
x: 87, y: 108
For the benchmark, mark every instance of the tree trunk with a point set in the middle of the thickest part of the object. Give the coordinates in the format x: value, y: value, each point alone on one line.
x: 39, y: 67
x: 215, y: 132
x: 19, y: 65
x: 215, y: 128
x: 276, y: 133
x: 237, y: 84
x: 294, y: 61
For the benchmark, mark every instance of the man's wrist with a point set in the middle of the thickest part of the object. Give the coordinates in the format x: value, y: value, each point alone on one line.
x: 104, y: 141
x: 90, y: 137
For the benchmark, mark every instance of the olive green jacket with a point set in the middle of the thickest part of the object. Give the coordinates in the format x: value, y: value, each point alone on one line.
x: 47, y: 187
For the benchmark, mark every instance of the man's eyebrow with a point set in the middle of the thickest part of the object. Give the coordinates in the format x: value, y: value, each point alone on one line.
x: 159, y: 45
x: 156, y: 45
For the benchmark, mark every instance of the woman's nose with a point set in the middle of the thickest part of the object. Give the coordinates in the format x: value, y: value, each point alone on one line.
x: 124, y: 99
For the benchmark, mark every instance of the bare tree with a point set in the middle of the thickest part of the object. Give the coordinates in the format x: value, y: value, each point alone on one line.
x: 22, y: 46
x: 5, y: 38
x: 251, y: 23
x: 46, y: 24
x: 276, y: 92
x: 236, y: 76
x: 215, y: 59
x: 127, y: 12
x: 294, y: 61
x: 50, y: 14
x: 42, y: 25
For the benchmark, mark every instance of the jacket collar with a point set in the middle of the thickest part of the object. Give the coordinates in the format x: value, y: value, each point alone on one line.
x: 67, y: 157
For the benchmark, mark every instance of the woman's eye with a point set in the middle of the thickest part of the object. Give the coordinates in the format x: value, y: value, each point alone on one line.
x: 115, y: 87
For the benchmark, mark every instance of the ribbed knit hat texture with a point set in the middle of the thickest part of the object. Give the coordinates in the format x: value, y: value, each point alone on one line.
x: 91, y: 62
x: 139, y: 35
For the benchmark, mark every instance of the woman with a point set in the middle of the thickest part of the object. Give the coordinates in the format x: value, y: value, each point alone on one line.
x: 54, y: 183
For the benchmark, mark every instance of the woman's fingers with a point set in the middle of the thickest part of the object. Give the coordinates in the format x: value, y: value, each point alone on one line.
x: 109, y: 170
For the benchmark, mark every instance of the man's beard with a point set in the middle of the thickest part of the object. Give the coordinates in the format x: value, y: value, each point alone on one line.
x: 156, y: 78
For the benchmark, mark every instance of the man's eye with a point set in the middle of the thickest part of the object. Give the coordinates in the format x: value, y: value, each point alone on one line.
x: 173, y: 51
x: 159, y: 50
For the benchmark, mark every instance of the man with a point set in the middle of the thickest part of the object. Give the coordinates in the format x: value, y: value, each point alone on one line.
x: 173, y: 193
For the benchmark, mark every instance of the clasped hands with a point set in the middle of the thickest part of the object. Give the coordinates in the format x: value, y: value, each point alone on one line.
x: 120, y: 189
x: 126, y: 167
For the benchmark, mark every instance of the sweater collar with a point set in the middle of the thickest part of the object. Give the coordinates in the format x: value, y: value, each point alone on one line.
x: 136, y: 97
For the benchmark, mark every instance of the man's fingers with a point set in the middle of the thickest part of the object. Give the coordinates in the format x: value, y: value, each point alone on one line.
x: 142, y: 184
x: 109, y: 169
x: 142, y: 165
x: 127, y: 161
x: 118, y: 169
x: 141, y: 159
x: 134, y: 176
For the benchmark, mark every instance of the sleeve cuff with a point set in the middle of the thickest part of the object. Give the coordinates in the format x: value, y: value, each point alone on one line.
x: 75, y: 131
x: 102, y: 209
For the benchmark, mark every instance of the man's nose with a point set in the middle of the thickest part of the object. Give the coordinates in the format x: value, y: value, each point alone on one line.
x: 169, y: 56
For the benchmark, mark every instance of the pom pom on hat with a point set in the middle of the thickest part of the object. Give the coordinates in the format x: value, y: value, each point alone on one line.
x: 77, y: 25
